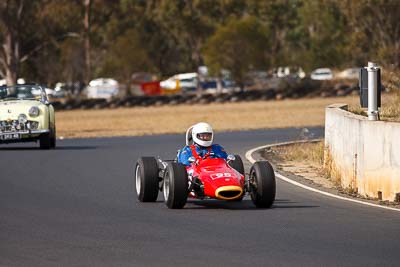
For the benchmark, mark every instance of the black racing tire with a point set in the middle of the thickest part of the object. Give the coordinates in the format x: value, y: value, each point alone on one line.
x: 45, y: 141
x: 146, y: 179
x: 237, y: 164
x: 175, y: 185
x: 262, y: 184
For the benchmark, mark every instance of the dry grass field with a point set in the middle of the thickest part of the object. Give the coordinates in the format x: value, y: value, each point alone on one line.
x: 302, y: 159
x: 176, y: 119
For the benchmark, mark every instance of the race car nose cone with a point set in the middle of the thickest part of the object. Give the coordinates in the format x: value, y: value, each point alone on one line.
x: 228, y: 192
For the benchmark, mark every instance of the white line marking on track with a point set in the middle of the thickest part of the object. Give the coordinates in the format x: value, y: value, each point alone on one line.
x: 249, y: 157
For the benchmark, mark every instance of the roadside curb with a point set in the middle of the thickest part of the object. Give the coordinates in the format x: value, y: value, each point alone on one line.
x: 251, y: 159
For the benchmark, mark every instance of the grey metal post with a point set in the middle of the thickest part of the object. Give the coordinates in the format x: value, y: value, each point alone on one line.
x: 372, y: 91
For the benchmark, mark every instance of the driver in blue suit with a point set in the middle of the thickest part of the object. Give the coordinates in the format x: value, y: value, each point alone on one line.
x: 202, y: 147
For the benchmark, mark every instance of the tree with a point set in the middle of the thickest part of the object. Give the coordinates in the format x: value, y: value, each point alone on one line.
x: 184, y: 29
x: 54, y: 30
x: 73, y: 40
x: 126, y: 56
x: 239, y: 46
x: 86, y: 22
x: 325, y: 34
x: 10, y: 23
x: 31, y: 29
x: 375, y: 29
x: 281, y: 18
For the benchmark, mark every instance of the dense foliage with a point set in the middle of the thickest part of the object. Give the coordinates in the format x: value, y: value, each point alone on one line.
x: 76, y: 40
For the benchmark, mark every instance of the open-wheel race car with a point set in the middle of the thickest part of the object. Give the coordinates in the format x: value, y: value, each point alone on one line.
x: 214, y: 178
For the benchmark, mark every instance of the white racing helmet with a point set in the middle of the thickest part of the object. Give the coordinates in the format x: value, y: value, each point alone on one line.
x: 202, y: 134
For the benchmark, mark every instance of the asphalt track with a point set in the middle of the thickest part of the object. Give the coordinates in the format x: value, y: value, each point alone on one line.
x: 76, y: 206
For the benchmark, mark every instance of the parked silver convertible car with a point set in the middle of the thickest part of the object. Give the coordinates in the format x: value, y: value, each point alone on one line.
x: 26, y: 115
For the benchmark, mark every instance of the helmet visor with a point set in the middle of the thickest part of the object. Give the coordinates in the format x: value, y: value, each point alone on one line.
x: 204, y: 136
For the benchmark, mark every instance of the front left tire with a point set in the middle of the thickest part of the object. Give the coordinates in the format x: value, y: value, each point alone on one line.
x: 262, y: 184
x: 53, y: 138
x: 45, y: 141
x: 146, y: 179
x: 237, y: 164
x: 48, y: 141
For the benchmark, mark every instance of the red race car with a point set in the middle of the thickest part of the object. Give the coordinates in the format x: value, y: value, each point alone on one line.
x: 206, y: 178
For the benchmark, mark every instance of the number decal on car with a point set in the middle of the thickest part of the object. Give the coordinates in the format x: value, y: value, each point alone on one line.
x: 220, y: 175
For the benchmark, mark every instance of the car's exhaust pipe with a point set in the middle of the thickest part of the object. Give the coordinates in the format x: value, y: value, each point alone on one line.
x: 229, y: 192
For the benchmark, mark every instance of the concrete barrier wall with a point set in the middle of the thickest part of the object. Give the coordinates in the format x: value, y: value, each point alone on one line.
x: 364, y: 156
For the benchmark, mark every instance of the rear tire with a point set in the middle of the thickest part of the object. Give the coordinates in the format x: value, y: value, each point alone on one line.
x: 175, y: 185
x: 146, y: 179
x: 262, y: 184
x: 237, y: 164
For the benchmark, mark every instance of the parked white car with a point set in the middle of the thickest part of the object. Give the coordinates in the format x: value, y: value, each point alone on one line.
x: 322, y: 74
x: 183, y: 81
x: 102, y: 88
